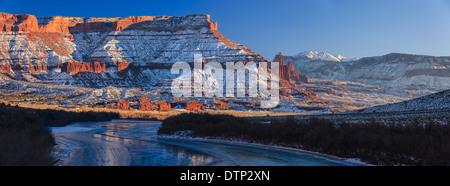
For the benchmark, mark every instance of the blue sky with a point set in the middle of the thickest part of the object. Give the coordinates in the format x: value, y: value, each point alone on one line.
x: 353, y: 28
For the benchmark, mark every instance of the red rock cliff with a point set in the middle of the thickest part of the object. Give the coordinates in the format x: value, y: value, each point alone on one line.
x: 288, y: 72
x: 75, y: 67
x: 74, y: 44
x: 108, y: 24
x: 25, y: 23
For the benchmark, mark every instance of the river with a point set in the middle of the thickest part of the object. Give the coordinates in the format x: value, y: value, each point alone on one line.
x: 136, y: 143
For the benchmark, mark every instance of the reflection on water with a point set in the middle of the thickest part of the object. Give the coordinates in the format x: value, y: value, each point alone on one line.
x: 136, y: 143
x: 103, y: 147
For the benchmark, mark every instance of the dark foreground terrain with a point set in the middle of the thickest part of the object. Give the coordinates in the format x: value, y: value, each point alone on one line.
x: 393, y: 143
x: 25, y: 139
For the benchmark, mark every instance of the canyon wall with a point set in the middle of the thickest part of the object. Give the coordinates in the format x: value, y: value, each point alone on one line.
x: 135, y: 51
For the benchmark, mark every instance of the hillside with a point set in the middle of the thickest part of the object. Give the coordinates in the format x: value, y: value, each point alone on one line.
x: 404, y: 75
x: 437, y: 101
x: 111, y: 61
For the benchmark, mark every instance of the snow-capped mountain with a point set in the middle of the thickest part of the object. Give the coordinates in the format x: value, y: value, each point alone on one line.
x: 399, y: 74
x: 323, y: 56
x: 138, y: 52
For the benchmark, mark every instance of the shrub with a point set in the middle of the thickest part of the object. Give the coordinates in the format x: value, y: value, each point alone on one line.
x: 24, y: 136
x: 397, y: 143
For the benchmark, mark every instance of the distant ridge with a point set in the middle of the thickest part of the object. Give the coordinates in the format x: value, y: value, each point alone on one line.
x: 399, y: 74
x: 324, y: 56
x: 437, y: 101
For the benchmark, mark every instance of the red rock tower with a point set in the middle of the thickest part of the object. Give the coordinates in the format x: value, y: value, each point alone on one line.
x: 288, y: 72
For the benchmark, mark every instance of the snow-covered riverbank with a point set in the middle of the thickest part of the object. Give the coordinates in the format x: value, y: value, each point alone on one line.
x: 184, y: 136
x: 128, y: 142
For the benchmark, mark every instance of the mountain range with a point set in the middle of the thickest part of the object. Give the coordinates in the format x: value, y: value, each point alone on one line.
x: 96, y: 61
x: 323, y: 56
x: 399, y: 74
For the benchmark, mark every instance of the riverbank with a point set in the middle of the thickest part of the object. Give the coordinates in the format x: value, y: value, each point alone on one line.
x: 25, y: 139
x: 398, y: 142
x: 239, y: 142
x: 375, y: 143
x: 136, y: 143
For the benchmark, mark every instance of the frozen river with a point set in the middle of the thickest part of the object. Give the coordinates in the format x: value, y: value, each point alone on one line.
x: 136, y: 143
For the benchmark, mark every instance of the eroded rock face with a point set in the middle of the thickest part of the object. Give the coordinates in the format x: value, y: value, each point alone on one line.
x: 122, y: 104
x: 146, y: 105
x: 164, y: 107
x: 221, y: 105
x: 75, y: 67
x: 24, y: 23
x: 194, y: 106
x: 288, y: 72
x: 57, y: 49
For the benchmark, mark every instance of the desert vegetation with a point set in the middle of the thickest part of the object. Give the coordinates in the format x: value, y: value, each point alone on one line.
x: 25, y: 139
x: 398, y: 143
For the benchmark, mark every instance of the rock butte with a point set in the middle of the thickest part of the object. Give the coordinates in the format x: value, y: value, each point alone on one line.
x: 135, y: 51
x: 131, y: 52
